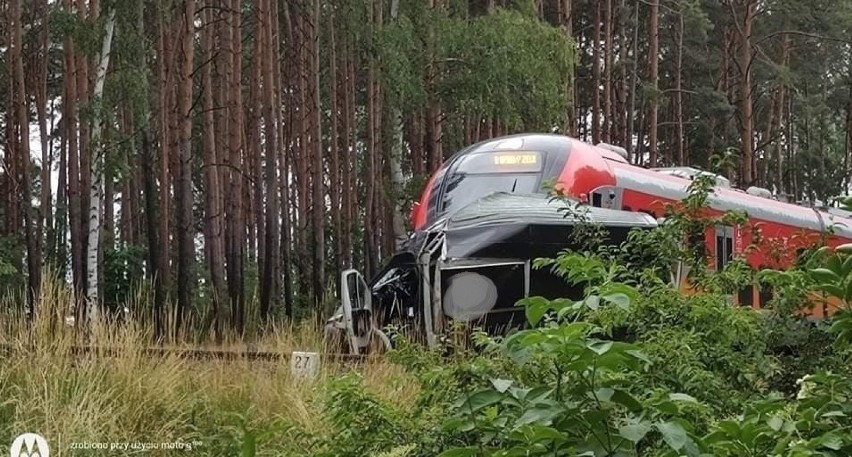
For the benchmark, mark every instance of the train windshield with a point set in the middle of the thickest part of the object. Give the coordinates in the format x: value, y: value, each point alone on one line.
x: 478, y: 175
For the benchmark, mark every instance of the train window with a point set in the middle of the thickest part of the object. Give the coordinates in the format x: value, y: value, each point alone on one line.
x: 745, y: 297
x: 462, y: 188
x: 696, y: 244
x: 766, y: 294
x: 724, y: 246
x: 607, y: 197
x: 435, y: 195
x: 596, y: 199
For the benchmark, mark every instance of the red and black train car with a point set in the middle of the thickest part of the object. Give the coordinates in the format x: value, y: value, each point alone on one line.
x: 485, y: 214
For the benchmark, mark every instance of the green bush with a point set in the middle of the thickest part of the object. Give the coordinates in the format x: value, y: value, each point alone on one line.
x: 569, y: 393
x: 640, y: 369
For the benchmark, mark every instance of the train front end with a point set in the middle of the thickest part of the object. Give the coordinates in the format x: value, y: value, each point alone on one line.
x: 485, y: 215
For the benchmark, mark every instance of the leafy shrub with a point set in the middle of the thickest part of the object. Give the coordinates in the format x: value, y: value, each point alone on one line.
x: 12, y: 278
x: 361, y: 423
x: 700, y: 344
x: 816, y: 424
x: 679, y: 365
x: 571, y: 393
x: 121, y: 266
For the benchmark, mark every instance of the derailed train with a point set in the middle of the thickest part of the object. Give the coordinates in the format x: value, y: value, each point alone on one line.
x: 485, y: 215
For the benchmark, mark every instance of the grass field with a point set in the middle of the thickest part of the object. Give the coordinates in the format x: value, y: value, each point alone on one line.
x: 132, y: 403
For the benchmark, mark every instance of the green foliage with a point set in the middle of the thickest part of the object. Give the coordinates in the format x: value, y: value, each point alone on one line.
x: 834, y: 279
x: 792, y: 289
x: 361, y: 423
x: 799, y: 348
x: 571, y: 394
x: 364, y: 423
x: 568, y: 391
x: 239, y: 436
x: 122, y: 271
x: 636, y: 367
x: 700, y: 345
x: 507, y: 64
x: 12, y: 278
x: 815, y: 424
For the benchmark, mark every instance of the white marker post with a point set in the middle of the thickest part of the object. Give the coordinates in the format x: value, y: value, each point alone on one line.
x: 304, y: 365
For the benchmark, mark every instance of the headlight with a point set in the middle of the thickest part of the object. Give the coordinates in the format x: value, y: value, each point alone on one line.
x: 469, y: 296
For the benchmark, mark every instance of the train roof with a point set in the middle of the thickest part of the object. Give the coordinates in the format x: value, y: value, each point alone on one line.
x: 513, y: 225
x: 551, y: 143
x: 673, y: 187
x: 539, y: 209
x: 670, y: 183
x: 540, y: 141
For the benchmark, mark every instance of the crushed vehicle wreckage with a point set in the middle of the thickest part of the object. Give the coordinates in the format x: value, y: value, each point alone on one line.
x: 471, y: 266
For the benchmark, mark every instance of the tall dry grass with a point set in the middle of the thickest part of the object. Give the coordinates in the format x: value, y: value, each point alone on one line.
x: 128, y: 396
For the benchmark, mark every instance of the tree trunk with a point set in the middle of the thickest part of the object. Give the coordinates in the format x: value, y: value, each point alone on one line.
x: 213, y: 229
x: 678, y: 71
x: 255, y: 113
x: 237, y: 224
x: 654, y: 61
x: 269, y: 287
x: 125, y: 223
x: 349, y: 158
x: 154, y: 251
x: 303, y: 156
x: 565, y: 18
x: 186, y: 246
x: 83, y: 98
x: 397, y: 146
x: 98, y: 151
x: 370, y: 223
x: 847, y: 150
x: 623, y: 139
x: 779, y: 156
x: 335, y: 95
x: 435, y: 122
x: 223, y: 123
x: 608, y: 63
x: 108, y: 229
x: 284, y: 164
x: 163, y: 278
x: 745, y: 96
x: 318, y: 210
x: 22, y: 149
x: 634, y: 76
x: 596, y: 75
x: 57, y: 239
x: 45, y: 214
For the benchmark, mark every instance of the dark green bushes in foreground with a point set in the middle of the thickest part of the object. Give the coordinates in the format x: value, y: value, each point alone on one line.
x: 631, y: 370
x: 636, y: 368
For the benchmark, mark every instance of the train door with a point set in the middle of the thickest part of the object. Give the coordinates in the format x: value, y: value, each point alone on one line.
x: 723, y: 253
x: 357, y: 310
x: 725, y: 247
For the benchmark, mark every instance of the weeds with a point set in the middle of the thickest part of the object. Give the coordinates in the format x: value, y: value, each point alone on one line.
x: 126, y: 395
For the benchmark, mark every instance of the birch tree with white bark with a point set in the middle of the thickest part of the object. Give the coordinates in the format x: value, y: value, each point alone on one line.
x: 95, y: 191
